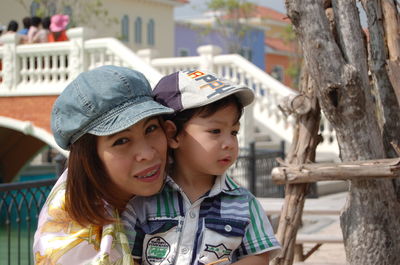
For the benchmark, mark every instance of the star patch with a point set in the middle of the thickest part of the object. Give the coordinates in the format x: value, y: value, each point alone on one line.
x: 219, y: 250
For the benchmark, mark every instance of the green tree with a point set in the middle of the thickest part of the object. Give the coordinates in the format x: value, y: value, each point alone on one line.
x: 231, y: 20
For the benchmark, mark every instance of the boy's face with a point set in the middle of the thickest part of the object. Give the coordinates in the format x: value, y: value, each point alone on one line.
x: 208, y: 145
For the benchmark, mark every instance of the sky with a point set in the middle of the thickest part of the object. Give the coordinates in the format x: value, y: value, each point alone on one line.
x: 197, y: 7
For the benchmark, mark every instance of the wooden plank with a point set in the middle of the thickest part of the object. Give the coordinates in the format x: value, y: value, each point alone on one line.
x: 356, y: 170
x: 319, y: 238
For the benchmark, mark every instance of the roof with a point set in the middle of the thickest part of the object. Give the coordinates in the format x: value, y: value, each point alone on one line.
x: 279, y: 45
x: 265, y: 13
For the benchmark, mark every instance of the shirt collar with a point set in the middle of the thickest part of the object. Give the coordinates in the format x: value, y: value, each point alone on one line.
x: 223, y: 183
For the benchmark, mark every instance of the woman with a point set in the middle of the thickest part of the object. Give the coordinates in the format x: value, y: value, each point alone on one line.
x: 108, y: 120
x: 58, y: 28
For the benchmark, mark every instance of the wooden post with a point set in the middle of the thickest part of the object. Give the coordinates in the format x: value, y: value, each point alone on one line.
x: 302, y: 150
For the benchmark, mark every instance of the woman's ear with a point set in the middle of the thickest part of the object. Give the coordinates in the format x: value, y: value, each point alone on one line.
x: 170, y: 131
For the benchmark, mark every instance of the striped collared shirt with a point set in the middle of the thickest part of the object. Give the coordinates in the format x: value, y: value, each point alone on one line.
x: 226, y: 223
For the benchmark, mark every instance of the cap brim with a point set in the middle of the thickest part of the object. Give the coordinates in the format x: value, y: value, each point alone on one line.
x: 243, y: 93
x: 129, y: 116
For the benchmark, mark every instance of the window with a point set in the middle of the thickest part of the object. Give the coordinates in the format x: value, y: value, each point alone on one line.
x: 138, y: 30
x: 246, y: 53
x: 182, y: 52
x: 68, y: 11
x: 52, y: 8
x: 277, y: 73
x: 34, y: 8
x: 125, y: 28
x: 150, y: 32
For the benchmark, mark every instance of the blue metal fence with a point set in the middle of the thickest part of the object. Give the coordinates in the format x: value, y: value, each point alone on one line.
x: 20, y: 205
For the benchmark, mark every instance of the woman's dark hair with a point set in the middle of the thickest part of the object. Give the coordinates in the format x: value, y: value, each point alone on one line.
x: 89, y: 187
x: 12, y: 26
x: 46, y: 22
x: 205, y: 111
x: 35, y: 21
x: 27, y: 22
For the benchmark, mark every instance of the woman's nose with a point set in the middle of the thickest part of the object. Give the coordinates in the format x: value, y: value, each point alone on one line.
x: 144, y: 152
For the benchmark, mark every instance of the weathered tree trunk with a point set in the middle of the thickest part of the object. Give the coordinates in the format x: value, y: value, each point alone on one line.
x: 337, y: 61
x: 391, y: 24
x: 302, y: 150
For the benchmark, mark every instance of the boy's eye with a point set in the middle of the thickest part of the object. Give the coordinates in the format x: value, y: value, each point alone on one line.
x: 120, y: 141
x: 151, y: 128
x: 215, y: 131
x: 234, y: 133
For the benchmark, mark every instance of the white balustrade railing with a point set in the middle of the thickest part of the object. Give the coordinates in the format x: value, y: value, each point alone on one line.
x: 40, y: 69
x: 46, y: 68
x: 269, y: 92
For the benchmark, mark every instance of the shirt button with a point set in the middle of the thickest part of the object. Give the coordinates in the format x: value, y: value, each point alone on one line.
x: 192, y: 215
x: 184, y: 250
x: 228, y: 228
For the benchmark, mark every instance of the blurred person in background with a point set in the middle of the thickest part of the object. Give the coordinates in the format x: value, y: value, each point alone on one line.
x: 58, y: 28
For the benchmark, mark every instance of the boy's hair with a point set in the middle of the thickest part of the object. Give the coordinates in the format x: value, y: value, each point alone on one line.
x: 89, y: 186
x: 180, y: 118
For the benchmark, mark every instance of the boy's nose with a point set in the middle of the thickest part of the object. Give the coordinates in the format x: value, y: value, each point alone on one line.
x: 228, y: 143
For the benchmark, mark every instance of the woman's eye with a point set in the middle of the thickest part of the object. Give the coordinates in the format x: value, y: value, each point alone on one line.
x: 151, y: 128
x: 235, y: 133
x: 120, y: 141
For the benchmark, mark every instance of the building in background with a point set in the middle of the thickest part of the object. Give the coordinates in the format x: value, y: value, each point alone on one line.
x: 278, y: 50
x: 139, y: 24
x: 190, y: 35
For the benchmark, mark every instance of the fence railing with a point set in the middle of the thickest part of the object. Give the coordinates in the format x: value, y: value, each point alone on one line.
x: 20, y: 205
x: 252, y: 170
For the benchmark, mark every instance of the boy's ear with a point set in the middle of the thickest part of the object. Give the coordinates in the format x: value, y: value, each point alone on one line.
x: 170, y: 131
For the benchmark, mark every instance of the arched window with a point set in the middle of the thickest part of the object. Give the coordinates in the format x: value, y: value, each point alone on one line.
x: 52, y: 9
x: 138, y: 30
x: 150, y: 32
x: 125, y: 28
x: 68, y: 11
x: 34, y: 8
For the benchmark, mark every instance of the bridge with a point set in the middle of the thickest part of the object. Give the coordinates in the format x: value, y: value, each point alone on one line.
x: 33, y: 75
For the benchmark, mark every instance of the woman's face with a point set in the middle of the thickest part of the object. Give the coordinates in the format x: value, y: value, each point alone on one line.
x: 135, y: 158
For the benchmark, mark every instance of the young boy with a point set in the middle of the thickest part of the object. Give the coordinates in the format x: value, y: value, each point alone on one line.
x: 201, y: 216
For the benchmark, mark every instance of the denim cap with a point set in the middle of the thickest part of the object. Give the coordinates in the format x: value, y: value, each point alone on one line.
x: 103, y: 101
x: 195, y: 88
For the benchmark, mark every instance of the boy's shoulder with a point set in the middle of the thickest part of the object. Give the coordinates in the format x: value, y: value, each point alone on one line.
x: 234, y: 188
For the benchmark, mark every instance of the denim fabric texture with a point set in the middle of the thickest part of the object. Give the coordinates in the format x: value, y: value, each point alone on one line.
x: 102, y: 101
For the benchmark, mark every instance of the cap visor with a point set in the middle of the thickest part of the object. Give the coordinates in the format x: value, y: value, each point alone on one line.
x: 128, y: 116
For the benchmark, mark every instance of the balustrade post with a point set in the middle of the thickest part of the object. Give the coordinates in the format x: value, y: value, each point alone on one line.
x: 147, y: 55
x: 11, y: 66
x: 246, y: 135
x: 207, y: 54
x: 77, y: 61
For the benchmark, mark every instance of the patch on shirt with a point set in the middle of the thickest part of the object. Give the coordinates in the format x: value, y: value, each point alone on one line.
x: 157, y: 250
x: 219, y: 250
